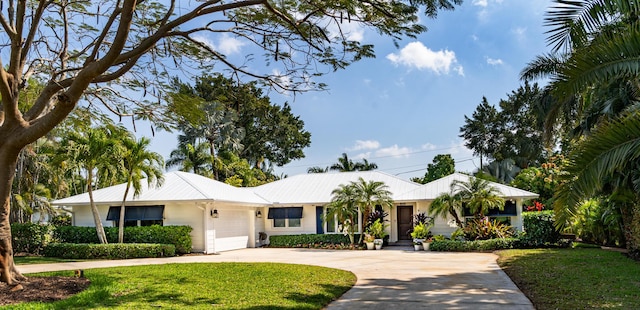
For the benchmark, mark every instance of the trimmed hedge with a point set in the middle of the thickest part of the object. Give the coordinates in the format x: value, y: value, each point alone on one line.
x: 309, y: 240
x: 109, y: 251
x: 475, y: 246
x: 179, y: 236
x: 539, y: 229
x: 29, y: 237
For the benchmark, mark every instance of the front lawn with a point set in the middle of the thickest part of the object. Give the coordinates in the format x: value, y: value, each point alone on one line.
x: 585, y: 278
x: 207, y: 285
x: 31, y: 260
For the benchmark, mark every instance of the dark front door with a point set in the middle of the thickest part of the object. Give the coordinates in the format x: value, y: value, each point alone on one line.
x: 319, y: 221
x: 405, y: 222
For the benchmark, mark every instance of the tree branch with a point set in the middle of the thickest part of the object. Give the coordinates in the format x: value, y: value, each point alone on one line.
x: 32, y: 31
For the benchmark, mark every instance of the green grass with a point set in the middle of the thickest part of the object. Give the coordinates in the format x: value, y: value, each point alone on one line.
x: 207, y: 285
x: 32, y: 260
x: 581, y: 278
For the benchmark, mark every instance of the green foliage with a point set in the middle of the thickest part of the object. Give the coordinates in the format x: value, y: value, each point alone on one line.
x: 539, y: 229
x: 179, y: 236
x: 30, y: 237
x: 542, y: 180
x: 109, y: 251
x: 60, y: 220
x: 484, y: 229
x: 598, y: 221
x: 474, y: 246
x: 307, y: 240
x: 441, y: 166
x: 378, y: 229
x: 420, y: 231
x: 479, y: 132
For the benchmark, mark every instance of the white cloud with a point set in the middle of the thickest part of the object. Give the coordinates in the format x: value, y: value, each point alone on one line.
x: 365, y: 145
x: 364, y: 155
x: 494, y: 62
x: 283, y: 80
x: 482, y: 3
x: 353, y: 31
x: 519, y: 33
x: 229, y: 45
x: 429, y: 147
x: 226, y: 44
x: 416, y: 55
x: 394, y: 151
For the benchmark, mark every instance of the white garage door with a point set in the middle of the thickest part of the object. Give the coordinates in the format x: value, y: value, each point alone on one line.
x: 232, y: 230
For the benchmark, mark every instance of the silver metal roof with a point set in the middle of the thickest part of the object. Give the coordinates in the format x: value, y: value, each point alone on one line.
x: 435, y: 188
x: 316, y: 188
x: 177, y: 186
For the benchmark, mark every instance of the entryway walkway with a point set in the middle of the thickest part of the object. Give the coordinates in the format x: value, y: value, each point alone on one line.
x: 393, y: 278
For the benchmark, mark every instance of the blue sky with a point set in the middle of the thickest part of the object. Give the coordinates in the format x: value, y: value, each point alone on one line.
x: 404, y: 107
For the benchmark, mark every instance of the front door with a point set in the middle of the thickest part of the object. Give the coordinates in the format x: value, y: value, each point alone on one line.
x: 405, y: 222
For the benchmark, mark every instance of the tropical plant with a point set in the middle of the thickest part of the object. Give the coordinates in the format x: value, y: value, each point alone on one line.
x: 370, y: 194
x: 98, y: 156
x: 504, y: 171
x: 344, y: 208
x: 484, y: 229
x: 378, y: 229
x: 138, y: 163
x: 446, y: 205
x: 478, y: 195
x: 191, y: 157
x: 317, y: 169
x: 345, y: 164
x: 421, y: 231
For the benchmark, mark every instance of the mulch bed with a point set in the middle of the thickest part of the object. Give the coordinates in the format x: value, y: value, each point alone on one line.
x: 44, y: 289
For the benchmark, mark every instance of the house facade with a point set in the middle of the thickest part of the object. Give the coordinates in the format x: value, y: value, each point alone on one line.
x: 224, y: 217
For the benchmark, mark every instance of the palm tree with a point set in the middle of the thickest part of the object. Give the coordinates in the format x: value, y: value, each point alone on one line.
x: 317, y: 169
x: 92, y: 151
x: 370, y: 194
x: 138, y: 163
x: 597, y: 76
x: 344, y: 208
x: 478, y: 195
x: 365, y: 165
x: 447, y: 204
x: 191, y: 157
x: 344, y: 164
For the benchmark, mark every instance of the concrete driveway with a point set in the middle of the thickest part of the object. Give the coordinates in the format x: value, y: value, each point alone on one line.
x: 393, y: 278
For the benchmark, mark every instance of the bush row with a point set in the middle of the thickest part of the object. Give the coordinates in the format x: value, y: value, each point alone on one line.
x: 308, y: 240
x: 179, y: 236
x: 475, y: 246
x: 109, y: 251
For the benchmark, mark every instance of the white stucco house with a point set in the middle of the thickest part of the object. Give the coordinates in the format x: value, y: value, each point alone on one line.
x: 224, y: 217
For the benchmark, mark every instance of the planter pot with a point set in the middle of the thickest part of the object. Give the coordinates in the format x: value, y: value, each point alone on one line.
x: 417, y: 247
x: 370, y: 245
x: 425, y: 245
x: 378, y: 244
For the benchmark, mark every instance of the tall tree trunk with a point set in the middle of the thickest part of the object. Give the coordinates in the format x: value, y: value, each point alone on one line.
x: 631, y: 225
x: 94, y: 210
x: 8, y: 272
x: 122, y: 210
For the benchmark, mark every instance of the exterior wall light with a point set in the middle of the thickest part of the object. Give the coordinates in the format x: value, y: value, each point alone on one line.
x: 215, y: 214
x: 259, y: 214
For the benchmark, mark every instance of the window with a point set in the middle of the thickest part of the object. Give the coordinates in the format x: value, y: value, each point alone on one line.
x: 286, y: 217
x: 137, y: 216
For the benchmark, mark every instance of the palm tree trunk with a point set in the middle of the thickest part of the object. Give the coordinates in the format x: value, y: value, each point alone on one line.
x: 8, y: 272
x: 122, y: 209
x: 631, y: 226
x: 102, y: 237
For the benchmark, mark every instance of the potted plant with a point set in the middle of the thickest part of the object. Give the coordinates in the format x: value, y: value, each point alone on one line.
x: 378, y: 244
x: 377, y: 229
x: 419, y: 234
x: 368, y: 240
x: 426, y: 243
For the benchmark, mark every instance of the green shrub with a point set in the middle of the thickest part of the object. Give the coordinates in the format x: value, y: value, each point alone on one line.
x: 29, y: 237
x: 308, y: 240
x: 484, y: 229
x: 475, y: 246
x: 61, y: 220
x: 109, y: 251
x: 179, y: 236
x: 539, y: 229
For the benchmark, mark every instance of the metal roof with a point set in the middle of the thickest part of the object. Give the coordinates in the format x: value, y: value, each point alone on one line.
x: 313, y: 188
x: 177, y: 186
x: 440, y: 186
x: 316, y: 188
